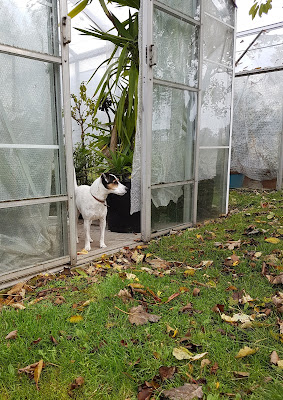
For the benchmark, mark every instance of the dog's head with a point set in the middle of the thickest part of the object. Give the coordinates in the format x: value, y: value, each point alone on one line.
x: 112, y: 183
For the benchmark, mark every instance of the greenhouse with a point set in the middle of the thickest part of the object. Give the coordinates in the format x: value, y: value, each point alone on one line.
x: 177, y: 120
x: 257, y: 145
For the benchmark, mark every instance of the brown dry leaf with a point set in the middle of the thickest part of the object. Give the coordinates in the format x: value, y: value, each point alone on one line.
x: 17, y: 306
x: 77, y: 383
x: 59, y: 300
x: 125, y: 295
x: 139, y: 316
x: 145, y: 391
x: 196, y: 292
x: 158, y: 263
x: 278, y: 301
x: 274, y: 358
x: 214, y: 369
x: 173, y: 296
x: 167, y: 372
x: 12, y: 335
x: 239, y: 374
x: 246, y: 351
x: 16, y: 289
x: 280, y: 323
x: 137, y: 257
x: 36, y: 341
x: 277, y: 280
x: 205, y: 362
x: 189, y: 391
x: 232, y: 261
x: 233, y: 244
x: 37, y: 372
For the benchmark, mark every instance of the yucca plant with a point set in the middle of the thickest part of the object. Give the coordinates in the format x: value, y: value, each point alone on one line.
x: 119, y: 84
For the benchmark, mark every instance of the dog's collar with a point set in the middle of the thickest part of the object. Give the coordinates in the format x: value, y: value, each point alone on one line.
x: 100, y: 201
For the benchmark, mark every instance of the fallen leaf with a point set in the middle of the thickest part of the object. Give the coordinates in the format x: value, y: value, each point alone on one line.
x: 139, y: 316
x: 36, y: 341
x: 37, y: 372
x: 125, y: 295
x: 196, y: 292
x: 16, y: 289
x: 77, y: 383
x: 214, y: 368
x: 189, y: 391
x: 246, y: 351
x: 198, y: 356
x: 59, y: 300
x: 82, y: 252
x: 237, y: 318
x: 130, y: 276
x: 145, y: 391
x: 272, y: 240
x: 189, y: 271
x: 239, y: 374
x: 137, y: 257
x: 274, y: 358
x: 18, y: 306
x: 280, y: 364
x: 205, y: 362
x: 166, y: 372
x: 181, y: 353
x: 75, y: 319
x: 12, y: 335
x: 173, y: 296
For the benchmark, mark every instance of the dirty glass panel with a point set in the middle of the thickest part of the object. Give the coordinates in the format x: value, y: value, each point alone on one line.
x: 29, y: 173
x: 177, y: 211
x: 189, y: 7
x: 222, y: 9
x: 212, y: 187
x: 32, y: 234
x: 176, y: 44
x: 173, y: 131
x: 30, y: 25
x: 216, y: 106
x: 218, y: 42
x: 27, y: 106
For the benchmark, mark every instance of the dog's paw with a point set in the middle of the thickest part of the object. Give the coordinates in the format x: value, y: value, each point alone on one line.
x: 87, y: 247
x: 90, y: 240
x: 102, y: 245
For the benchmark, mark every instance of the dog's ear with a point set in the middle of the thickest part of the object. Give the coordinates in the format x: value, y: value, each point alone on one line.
x: 105, y: 177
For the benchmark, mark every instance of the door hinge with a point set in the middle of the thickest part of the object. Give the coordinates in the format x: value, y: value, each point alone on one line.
x: 66, y: 29
x: 152, y: 55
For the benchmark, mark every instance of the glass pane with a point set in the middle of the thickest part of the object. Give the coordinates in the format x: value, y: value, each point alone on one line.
x: 212, y: 187
x: 32, y: 234
x: 222, y: 9
x: 173, y: 131
x: 189, y: 7
x: 30, y: 25
x: 176, y: 44
x: 218, y: 42
x: 216, y: 106
x: 29, y: 173
x: 171, y: 206
x: 27, y: 102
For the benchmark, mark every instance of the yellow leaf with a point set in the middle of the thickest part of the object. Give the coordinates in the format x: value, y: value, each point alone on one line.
x: 246, y: 351
x: 82, y: 252
x: 76, y: 318
x: 190, y: 271
x: 272, y: 240
x: 136, y: 285
x: 217, y: 384
x: 280, y: 364
x: 181, y: 353
x: 37, y: 372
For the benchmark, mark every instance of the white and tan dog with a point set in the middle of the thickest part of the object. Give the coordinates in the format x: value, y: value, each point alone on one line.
x: 91, y: 203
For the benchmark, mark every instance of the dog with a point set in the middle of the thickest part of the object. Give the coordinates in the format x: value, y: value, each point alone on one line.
x: 91, y: 203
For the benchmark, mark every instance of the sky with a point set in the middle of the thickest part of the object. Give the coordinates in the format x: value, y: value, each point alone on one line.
x: 244, y: 20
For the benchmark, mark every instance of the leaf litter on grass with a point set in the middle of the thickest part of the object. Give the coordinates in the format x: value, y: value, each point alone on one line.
x: 239, y: 308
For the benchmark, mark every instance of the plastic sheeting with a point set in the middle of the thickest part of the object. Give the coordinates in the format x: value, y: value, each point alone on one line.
x: 29, y: 142
x: 257, y: 125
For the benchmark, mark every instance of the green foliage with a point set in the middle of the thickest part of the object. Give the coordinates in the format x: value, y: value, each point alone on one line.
x: 259, y: 7
x: 119, y: 86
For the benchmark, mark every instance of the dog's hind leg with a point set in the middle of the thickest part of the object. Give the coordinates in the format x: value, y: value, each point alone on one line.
x: 102, y: 224
x: 90, y: 239
x: 87, y: 224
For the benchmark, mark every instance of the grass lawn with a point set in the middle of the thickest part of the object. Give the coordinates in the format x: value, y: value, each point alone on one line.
x: 204, y: 295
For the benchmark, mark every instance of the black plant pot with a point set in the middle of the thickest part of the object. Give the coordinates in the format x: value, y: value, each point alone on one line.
x: 119, y: 218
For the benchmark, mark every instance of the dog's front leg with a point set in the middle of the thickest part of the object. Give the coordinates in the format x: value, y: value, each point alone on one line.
x: 102, y: 224
x: 87, y: 224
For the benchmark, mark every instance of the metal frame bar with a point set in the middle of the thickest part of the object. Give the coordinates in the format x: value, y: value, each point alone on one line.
x: 213, y: 147
x: 219, y: 64
x: 174, y: 85
x: 175, y: 13
x: 199, y: 102
x: 29, y: 146
x: 34, y: 55
x: 219, y: 20
x: 254, y: 31
x: 146, y: 123
x: 258, y: 71
x: 33, y: 201
x: 169, y: 184
x: 231, y: 119
x: 68, y: 135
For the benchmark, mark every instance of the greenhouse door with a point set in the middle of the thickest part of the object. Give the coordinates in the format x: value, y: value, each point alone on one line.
x: 34, y: 197
x: 170, y: 101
